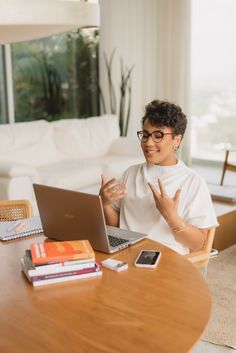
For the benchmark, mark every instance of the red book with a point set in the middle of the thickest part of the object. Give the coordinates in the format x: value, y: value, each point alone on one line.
x: 61, y: 251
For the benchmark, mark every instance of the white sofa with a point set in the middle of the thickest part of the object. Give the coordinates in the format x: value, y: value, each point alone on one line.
x: 68, y: 153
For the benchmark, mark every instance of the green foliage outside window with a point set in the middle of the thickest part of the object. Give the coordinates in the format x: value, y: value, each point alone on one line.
x: 56, y: 77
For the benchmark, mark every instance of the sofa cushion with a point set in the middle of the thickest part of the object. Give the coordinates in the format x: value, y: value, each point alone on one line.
x: 85, y: 138
x: 113, y: 166
x: 70, y: 174
x: 28, y: 142
x: 126, y: 146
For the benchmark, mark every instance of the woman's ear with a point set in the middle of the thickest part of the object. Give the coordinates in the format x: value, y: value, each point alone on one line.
x: 178, y: 139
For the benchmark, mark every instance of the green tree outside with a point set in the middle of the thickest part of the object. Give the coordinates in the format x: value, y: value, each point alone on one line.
x: 57, y: 77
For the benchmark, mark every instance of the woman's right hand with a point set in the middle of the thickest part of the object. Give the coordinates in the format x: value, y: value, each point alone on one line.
x: 111, y: 190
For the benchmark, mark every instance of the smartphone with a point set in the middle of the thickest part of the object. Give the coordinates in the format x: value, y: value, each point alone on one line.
x: 148, y: 258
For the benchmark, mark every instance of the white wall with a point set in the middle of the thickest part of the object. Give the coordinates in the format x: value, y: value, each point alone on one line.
x: 126, y: 26
x: 153, y: 35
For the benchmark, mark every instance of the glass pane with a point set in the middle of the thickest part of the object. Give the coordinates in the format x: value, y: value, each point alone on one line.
x: 3, y: 112
x: 213, y: 77
x: 56, y: 77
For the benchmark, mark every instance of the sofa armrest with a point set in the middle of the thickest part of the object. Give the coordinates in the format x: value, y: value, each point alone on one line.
x: 126, y: 146
x: 16, y: 181
x: 11, y: 170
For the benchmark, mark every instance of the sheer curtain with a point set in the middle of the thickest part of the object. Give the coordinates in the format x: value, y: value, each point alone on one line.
x: 154, y: 36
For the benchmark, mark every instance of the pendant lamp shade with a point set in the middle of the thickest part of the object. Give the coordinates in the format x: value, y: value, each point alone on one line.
x: 22, y: 20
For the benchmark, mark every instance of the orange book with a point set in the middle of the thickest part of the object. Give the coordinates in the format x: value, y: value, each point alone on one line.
x: 61, y: 251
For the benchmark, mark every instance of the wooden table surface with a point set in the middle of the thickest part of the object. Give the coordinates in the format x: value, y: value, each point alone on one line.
x: 162, y: 310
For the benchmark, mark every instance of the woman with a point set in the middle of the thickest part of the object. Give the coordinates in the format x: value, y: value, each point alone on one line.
x: 161, y: 197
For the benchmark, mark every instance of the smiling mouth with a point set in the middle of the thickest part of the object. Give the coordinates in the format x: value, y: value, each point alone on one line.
x: 151, y: 151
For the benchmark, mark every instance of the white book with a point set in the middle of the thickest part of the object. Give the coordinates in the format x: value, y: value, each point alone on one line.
x: 19, y: 229
x: 66, y: 279
x: 51, y: 269
x: 223, y: 193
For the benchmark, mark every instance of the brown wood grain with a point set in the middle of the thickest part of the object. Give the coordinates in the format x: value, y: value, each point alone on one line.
x: 225, y: 234
x: 139, y: 310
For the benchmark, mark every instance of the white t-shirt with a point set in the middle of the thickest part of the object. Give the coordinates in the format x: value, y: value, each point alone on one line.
x: 138, y: 210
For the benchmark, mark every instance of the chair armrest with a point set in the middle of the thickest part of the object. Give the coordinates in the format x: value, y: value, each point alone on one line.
x: 197, y: 256
x: 126, y: 146
x: 10, y: 170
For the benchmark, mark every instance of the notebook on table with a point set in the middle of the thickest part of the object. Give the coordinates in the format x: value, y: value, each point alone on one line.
x: 19, y: 229
x: 73, y: 215
x: 223, y: 193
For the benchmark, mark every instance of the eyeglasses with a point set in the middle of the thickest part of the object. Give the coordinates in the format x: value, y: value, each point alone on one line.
x: 157, y: 136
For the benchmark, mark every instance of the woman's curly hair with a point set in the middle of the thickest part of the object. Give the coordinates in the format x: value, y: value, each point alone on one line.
x: 164, y: 113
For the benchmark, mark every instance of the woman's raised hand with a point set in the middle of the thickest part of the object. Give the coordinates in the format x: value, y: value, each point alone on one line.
x: 166, y: 205
x: 111, y: 190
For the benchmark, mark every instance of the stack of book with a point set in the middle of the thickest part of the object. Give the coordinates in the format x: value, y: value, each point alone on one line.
x: 52, y: 262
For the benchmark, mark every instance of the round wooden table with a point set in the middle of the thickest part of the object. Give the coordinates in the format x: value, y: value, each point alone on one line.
x: 138, y: 310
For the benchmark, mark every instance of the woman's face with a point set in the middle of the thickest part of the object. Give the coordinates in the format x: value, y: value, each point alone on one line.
x: 163, y: 152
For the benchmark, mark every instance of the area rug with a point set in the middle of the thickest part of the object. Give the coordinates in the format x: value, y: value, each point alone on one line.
x: 221, y: 279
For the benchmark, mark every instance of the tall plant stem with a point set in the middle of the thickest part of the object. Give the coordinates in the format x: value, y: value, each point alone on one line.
x: 112, y: 97
x: 102, y: 99
x: 128, y: 110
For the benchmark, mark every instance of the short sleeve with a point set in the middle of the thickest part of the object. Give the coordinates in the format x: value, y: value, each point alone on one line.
x: 199, y: 210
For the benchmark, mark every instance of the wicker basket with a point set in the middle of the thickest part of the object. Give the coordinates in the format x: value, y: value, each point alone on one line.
x: 12, y: 210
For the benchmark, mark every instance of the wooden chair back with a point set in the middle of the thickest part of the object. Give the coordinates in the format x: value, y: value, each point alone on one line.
x: 12, y: 210
x: 227, y: 165
x: 201, y: 258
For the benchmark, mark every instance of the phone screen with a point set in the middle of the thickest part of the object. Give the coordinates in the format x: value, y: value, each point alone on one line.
x: 148, y: 257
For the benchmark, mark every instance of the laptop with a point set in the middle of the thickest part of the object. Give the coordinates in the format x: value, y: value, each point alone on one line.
x: 73, y: 215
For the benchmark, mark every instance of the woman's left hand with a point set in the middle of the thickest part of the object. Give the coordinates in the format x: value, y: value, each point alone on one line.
x: 166, y: 205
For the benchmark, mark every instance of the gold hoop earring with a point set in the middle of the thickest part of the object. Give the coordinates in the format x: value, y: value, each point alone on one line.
x: 176, y: 148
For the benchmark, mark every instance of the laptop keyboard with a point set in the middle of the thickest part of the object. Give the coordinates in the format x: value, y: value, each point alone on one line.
x: 114, y: 241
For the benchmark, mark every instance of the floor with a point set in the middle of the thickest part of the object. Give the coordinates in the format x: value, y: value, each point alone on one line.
x: 206, y: 347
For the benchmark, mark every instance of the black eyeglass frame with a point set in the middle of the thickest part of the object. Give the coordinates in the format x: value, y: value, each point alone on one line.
x: 141, y: 132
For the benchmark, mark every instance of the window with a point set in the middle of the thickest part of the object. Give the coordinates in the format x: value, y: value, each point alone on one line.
x: 56, y: 77
x: 213, y: 78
